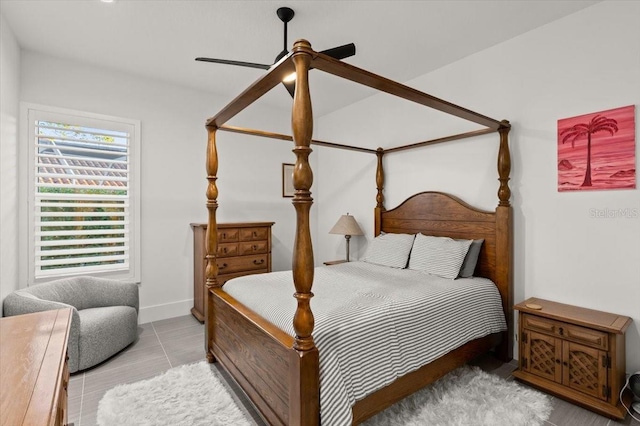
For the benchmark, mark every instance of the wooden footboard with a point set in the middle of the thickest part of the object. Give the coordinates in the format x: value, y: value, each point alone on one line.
x: 282, y: 382
x: 425, y: 375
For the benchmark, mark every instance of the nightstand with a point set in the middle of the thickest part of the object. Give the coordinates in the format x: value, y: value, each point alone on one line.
x: 334, y: 262
x: 574, y: 353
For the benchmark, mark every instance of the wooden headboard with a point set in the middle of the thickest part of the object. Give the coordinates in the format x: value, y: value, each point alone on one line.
x: 443, y: 215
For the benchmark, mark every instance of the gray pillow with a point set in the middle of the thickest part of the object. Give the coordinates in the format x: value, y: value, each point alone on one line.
x: 471, y: 259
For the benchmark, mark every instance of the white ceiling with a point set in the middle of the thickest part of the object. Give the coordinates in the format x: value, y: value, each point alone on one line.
x: 160, y: 39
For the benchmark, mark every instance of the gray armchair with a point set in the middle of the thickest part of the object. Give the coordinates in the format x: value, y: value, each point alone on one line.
x: 105, y: 314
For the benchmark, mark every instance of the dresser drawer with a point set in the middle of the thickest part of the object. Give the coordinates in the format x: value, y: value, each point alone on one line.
x: 227, y: 235
x: 587, y: 336
x: 244, y: 263
x: 255, y: 247
x: 227, y: 249
x: 254, y: 234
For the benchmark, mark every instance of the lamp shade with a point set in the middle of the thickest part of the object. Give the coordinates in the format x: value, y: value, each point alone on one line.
x: 346, y: 225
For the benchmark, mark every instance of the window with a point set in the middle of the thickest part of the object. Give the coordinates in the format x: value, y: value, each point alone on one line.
x: 84, y: 186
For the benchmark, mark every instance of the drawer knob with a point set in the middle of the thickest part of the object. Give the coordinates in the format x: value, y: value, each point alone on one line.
x: 255, y: 247
x: 560, y: 331
x: 224, y: 250
x: 224, y: 265
x: 258, y: 262
x: 224, y: 235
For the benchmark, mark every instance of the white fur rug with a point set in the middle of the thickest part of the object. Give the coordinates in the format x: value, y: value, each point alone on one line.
x: 189, y: 395
x: 468, y: 397
x: 193, y: 395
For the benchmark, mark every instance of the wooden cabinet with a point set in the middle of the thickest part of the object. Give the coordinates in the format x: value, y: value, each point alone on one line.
x: 575, y: 353
x: 243, y: 249
x: 34, y: 372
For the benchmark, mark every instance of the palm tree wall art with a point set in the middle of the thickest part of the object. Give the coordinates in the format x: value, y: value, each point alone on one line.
x: 597, y: 150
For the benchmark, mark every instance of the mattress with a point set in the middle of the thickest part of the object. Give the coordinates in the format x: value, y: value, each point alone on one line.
x: 374, y: 324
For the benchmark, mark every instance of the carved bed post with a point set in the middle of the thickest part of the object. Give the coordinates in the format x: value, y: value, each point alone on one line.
x: 211, y: 245
x: 380, y: 196
x: 504, y: 241
x: 305, y: 389
x: 504, y: 164
x: 302, y: 124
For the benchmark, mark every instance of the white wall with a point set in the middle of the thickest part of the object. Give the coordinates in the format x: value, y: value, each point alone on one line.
x: 173, y: 139
x: 9, y: 109
x: 584, y: 63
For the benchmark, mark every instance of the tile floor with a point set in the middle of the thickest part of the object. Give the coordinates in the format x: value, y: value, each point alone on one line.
x: 168, y: 343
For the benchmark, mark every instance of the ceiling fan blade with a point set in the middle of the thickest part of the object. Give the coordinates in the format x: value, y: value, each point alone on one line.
x: 291, y: 87
x: 341, y: 52
x: 240, y: 63
x: 281, y: 55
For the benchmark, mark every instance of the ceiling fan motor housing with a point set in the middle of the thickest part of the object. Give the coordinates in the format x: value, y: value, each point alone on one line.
x: 285, y: 14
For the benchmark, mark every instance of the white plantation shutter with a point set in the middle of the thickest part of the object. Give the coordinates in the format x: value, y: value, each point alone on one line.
x: 85, y: 197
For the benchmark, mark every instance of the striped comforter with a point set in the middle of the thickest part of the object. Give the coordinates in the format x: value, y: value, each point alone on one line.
x: 374, y: 323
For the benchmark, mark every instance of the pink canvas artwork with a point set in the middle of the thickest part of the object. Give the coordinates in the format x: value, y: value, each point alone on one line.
x: 597, y: 150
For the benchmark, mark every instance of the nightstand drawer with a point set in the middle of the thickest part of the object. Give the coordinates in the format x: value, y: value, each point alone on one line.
x: 539, y: 324
x: 586, y: 336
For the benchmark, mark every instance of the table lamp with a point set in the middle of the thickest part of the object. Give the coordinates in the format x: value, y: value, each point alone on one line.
x: 346, y: 226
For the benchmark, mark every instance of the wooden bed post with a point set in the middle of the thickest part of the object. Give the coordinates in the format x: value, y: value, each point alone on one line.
x: 380, y: 196
x: 305, y: 390
x: 504, y: 241
x: 302, y: 125
x: 504, y: 164
x: 211, y: 245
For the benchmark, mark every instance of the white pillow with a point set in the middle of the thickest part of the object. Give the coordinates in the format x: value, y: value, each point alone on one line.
x: 440, y: 256
x: 389, y: 250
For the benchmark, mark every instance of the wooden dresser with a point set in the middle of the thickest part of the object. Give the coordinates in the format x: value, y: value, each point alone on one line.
x: 33, y: 368
x: 243, y: 249
x: 575, y: 353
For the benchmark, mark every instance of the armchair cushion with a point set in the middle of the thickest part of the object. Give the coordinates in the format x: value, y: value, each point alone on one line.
x: 97, y: 339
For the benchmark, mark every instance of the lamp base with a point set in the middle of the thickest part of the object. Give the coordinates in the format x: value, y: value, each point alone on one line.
x: 347, y: 237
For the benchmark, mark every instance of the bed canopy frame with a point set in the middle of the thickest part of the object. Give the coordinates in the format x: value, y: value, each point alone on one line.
x: 280, y: 373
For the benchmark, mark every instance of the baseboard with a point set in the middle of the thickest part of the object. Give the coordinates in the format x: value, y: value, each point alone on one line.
x: 167, y: 310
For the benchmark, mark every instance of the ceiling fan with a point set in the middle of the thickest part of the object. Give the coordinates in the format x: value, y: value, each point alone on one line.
x: 286, y: 14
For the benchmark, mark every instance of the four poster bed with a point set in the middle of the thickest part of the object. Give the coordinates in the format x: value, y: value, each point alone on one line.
x: 280, y: 370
